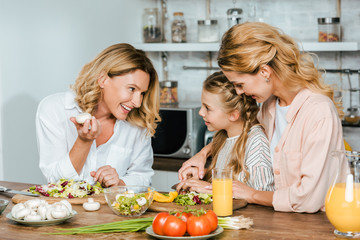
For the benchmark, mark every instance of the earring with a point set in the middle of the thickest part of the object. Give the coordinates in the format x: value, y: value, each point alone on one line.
x: 267, y: 80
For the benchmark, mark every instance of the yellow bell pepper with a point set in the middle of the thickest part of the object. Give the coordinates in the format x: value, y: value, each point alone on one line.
x: 347, y: 146
x: 163, y: 198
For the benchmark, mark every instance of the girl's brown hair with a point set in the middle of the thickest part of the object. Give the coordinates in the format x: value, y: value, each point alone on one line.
x: 248, y: 46
x: 117, y: 60
x: 217, y: 83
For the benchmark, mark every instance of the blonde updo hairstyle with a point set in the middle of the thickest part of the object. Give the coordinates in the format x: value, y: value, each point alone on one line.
x: 246, y: 47
x: 117, y: 60
x: 218, y: 84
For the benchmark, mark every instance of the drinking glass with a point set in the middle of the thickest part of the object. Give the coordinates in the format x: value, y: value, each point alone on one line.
x: 342, y: 203
x: 222, y: 191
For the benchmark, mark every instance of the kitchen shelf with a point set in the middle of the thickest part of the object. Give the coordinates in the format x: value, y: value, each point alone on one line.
x: 214, y: 47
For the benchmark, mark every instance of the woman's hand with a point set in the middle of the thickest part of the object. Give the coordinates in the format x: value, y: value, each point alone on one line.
x: 191, y: 172
x: 198, y: 160
x: 241, y: 190
x: 89, y: 130
x: 195, y: 185
x: 107, y: 176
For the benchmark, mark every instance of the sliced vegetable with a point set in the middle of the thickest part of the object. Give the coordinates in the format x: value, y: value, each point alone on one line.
x: 193, y: 198
x: 164, y: 198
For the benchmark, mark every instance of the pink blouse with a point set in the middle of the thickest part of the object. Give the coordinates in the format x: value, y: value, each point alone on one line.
x: 303, y: 167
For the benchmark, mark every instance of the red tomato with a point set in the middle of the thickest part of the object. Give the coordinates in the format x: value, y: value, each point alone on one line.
x: 174, y: 227
x: 198, y: 226
x: 212, y: 218
x: 183, y: 216
x: 159, y: 221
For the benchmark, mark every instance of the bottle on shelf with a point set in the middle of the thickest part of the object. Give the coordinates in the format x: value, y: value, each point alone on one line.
x: 178, y: 28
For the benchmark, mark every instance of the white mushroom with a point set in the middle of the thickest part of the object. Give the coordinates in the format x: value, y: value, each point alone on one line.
x: 82, y: 117
x: 67, y: 205
x: 91, y: 205
x: 16, y: 208
x: 141, y: 201
x: 33, y: 203
x: 48, y: 213
x: 42, y: 209
x: 58, y: 212
x: 22, y: 213
x: 32, y: 217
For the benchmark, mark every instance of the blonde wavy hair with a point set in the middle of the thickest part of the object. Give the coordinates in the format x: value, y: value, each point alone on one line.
x: 117, y: 60
x: 246, y: 47
x: 218, y: 84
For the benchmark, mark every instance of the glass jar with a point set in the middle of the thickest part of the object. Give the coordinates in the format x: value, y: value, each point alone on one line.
x: 329, y: 29
x: 168, y: 92
x: 342, y: 202
x: 151, y: 26
x: 208, y: 31
x: 233, y: 16
x: 178, y: 28
x: 352, y: 116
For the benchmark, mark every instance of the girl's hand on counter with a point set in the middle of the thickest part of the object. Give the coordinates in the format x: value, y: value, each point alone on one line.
x: 195, y: 185
x: 107, y: 176
x: 89, y: 130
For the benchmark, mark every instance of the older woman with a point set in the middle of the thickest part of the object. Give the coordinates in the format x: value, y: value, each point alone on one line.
x: 298, y: 113
x: 120, y: 89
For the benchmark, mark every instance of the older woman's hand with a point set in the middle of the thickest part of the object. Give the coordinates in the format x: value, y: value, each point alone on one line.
x: 89, y: 130
x: 107, y: 176
x: 195, y: 185
x: 241, y: 190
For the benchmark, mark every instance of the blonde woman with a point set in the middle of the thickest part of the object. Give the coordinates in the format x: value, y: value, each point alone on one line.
x: 298, y: 111
x: 239, y: 142
x: 120, y: 89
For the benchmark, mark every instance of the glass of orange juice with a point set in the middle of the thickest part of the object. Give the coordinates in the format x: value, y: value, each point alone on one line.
x: 222, y: 191
x: 342, y: 202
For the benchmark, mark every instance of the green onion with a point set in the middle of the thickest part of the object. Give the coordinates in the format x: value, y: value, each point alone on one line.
x: 132, y: 225
x: 238, y: 222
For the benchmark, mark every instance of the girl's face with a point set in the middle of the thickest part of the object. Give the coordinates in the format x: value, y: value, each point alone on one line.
x: 212, y: 112
x: 123, y: 93
x: 253, y: 85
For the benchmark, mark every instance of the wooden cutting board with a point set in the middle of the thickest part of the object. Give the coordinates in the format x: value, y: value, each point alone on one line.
x: 18, y: 198
x: 165, y: 207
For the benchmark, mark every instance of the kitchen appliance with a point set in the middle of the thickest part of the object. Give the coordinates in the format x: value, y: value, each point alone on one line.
x: 180, y: 134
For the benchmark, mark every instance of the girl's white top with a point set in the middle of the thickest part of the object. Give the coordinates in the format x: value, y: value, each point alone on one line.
x: 257, y: 159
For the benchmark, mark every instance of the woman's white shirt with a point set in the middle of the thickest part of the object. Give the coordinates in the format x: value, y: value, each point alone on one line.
x: 280, y: 125
x: 129, y: 149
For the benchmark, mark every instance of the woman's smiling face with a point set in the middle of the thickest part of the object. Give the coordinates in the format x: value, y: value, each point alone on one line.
x: 123, y: 93
x: 253, y: 85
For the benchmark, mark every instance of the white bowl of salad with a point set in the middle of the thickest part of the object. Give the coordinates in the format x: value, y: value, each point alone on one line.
x: 129, y: 200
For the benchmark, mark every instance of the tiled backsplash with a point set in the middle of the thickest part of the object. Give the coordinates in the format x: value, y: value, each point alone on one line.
x: 296, y: 18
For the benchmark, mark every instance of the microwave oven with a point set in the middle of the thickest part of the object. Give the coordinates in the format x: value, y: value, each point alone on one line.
x: 180, y: 134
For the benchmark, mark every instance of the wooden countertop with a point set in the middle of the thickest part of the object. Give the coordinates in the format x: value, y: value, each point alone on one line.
x: 268, y: 224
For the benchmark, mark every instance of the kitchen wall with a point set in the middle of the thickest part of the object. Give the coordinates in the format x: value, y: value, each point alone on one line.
x: 44, y: 44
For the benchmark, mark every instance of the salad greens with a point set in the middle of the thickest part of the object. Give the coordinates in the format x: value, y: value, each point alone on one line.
x: 129, y: 203
x: 67, y: 189
x: 193, y: 198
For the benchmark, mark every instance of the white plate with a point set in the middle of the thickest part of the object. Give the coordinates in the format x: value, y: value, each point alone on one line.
x: 217, y: 231
x: 43, y: 222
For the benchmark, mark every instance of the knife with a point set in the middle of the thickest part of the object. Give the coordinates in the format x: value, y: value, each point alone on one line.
x: 8, y: 190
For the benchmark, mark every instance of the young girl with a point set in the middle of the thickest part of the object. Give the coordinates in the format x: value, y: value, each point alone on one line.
x: 239, y: 143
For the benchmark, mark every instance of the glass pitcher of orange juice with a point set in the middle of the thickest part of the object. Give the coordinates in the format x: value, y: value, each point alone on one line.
x: 222, y: 191
x: 342, y: 203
